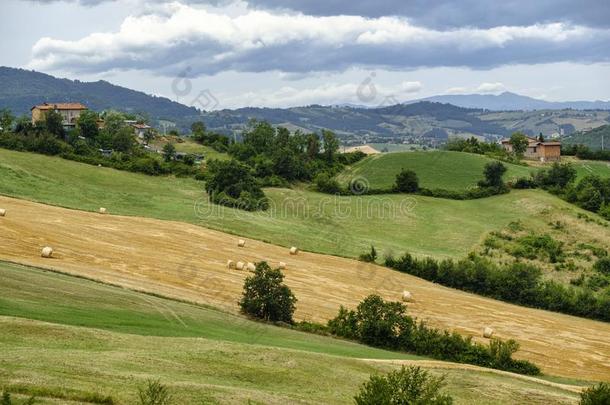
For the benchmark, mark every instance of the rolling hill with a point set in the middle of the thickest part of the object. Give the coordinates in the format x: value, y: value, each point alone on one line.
x: 454, y: 171
x: 597, y: 138
x: 102, y: 341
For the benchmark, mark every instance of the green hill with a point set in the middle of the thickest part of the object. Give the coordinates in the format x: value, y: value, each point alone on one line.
x: 344, y: 226
x: 99, y: 341
x: 439, y: 169
x: 592, y: 138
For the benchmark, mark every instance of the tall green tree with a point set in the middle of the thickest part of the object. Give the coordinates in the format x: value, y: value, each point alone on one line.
x: 87, y: 124
x: 406, y: 182
x: 114, y: 121
x: 493, y: 172
x: 266, y: 297
x: 169, y: 152
x: 53, y: 122
x: 519, y: 143
x: 6, y: 120
x: 331, y: 145
x: 313, y: 146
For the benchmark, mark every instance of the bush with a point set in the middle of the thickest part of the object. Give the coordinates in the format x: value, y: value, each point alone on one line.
x: 231, y: 183
x: 603, y: 266
x: 406, y: 182
x: 493, y: 172
x: 369, y: 257
x: 325, y: 183
x: 266, y: 297
x: 405, y: 386
x: 596, y: 395
x: 154, y: 393
x: 385, y: 324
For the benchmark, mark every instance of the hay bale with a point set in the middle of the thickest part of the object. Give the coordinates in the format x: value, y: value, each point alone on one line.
x: 488, y: 332
x: 282, y: 266
x: 241, y: 243
x: 2, y: 212
x: 103, y: 210
x: 251, y: 266
x: 294, y: 250
x: 47, y: 252
x: 407, y: 296
x: 240, y: 265
x: 230, y: 264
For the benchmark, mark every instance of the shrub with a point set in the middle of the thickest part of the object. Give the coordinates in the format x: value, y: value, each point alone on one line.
x: 406, y: 182
x: 369, y: 257
x: 266, y: 297
x: 493, y: 172
x: 325, y: 183
x: 231, y: 183
x: 603, y: 266
x: 411, y: 385
x: 154, y: 393
x: 596, y: 395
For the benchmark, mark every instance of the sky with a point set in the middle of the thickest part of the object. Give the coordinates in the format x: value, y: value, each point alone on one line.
x: 216, y: 54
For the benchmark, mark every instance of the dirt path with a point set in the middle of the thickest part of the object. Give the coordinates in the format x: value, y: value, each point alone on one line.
x: 189, y: 262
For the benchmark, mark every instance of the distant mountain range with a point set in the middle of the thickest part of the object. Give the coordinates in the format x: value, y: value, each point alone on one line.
x: 430, y: 120
x: 513, y: 102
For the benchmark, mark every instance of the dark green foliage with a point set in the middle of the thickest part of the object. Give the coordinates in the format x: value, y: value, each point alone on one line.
x: 53, y: 123
x: 596, y: 395
x: 266, y: 297
x: 385, y: 324
x: 591, y: 193
x: 331, y: 145
x: 154, y: 393
x: 534, y: 246
x: 169, y: 152
x: 369, y: 257
x: 87, y: 124
x: 559, y: 176
x: 517, y: 283
x: 493, y: 173
x: 412, y: 386
x: 603, y: 266
x: 406, y: 182
x: 6, y: 120
x: 231, y: 183
x: 325, y: 183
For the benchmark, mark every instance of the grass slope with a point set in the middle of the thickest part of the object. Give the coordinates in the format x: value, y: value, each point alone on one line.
x: 438, y: 169
x: 344, y: 226
x: 203, y: 355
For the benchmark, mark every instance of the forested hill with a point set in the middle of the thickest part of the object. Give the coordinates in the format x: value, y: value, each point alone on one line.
x: 597, y: 138
x: 21, y: 89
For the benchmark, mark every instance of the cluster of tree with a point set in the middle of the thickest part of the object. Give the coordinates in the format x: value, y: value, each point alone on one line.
x: 270, y: 156
x: 385, y: 324
x: 216, y: 141
x: 493, y: 150
x: 517, y: 283
x: 584, y: 152
x: 87, y: 142
x: 410, y: 385
x: 592, y: 192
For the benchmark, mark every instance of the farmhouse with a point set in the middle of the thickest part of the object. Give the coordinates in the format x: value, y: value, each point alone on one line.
x: 69, y: 112
x: 538, y: 150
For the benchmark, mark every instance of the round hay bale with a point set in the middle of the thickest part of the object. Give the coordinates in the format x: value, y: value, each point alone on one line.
x: 407, y: 296
x: 230, y: 264
x: 47, y: 252
x: 282, y: 266
x: 241, y: 243
x: 103, y: 210
x: 240, y: 265
x: 488, y: 332
x: 294, y: 250
x: 2, y: 212
x: 251, y: 266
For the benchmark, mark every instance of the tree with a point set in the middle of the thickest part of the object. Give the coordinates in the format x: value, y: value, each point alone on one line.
x: 519, y: 143
x: 369, y: 257
x: 6, y: 120
x: 313, y: 146
x: 407, y: 386
x: 596, y: 395
x: 149, y: 135
x: 169, y: 152
x: 540, y: 137
x: 559, y: 175
x: 231, y: 183
x: 198, y: 127
x: 406, y: 181
x: 331, y: 145
x: 53, y: 122
x: 123, y: 140
x: 266, y: 297
x: 493, y: 172
x: 87, y: 124
x: 154, y: 393
x: 114, y: 121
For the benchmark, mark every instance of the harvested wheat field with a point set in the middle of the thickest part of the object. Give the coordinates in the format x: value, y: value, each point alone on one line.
x: 189, y: 262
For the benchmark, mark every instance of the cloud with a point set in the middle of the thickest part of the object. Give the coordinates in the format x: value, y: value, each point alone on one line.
x: 435, y: 13
x: 180, y: 39
x: 457, y: 90
x: 411, y: 87
x: 490, y: 87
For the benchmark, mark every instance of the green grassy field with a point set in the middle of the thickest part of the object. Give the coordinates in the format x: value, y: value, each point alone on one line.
x: 344, y: 226
x: 106, y: 341
x: 436, y: 169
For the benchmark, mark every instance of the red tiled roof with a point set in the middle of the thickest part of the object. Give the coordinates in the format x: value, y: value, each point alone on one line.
x: 60, y: 106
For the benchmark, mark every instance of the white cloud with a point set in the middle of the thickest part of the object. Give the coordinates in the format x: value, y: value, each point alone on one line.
x: 457, y: 90
x: 490, y: 87
x: 170, y: 38
x: 411, y: 87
